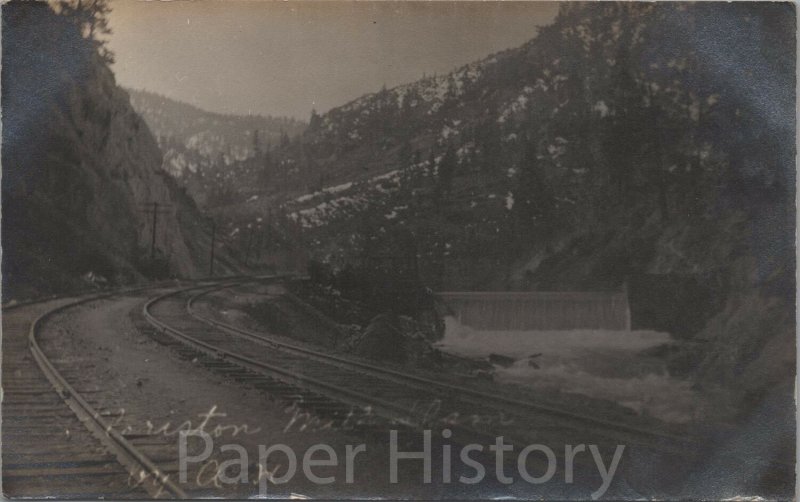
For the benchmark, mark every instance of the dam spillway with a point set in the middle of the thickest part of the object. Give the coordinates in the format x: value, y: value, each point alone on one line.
x: 539, y: 310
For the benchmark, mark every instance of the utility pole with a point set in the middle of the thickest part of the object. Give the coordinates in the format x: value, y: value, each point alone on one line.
x: 163, y: 208
x: 248, y: 246
x: 153, y: 241
x: 269, y: 226
x: 213, y: 238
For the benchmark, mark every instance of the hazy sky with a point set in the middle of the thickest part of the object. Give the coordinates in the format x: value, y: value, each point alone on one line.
x: 283, y: 58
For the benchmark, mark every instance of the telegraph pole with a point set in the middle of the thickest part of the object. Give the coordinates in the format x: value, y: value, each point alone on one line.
x: 269, y: 226
x: 153, y: 241
x: 248, y: 246
x: 156, y: 207
x: 213, y: 237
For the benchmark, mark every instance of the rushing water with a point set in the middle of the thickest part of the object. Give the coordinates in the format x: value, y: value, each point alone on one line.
x: 601, y: 364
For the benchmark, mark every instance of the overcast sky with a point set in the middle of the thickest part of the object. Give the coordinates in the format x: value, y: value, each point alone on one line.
x: 285, y: 58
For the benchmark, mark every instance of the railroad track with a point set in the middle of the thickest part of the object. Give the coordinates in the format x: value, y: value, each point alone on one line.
x: 342, y: 387
x: 56, y: 439
x: 60, y: 436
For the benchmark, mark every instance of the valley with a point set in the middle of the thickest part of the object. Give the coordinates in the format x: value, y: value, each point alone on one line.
x: 544, y: 167
x: 584, y: 243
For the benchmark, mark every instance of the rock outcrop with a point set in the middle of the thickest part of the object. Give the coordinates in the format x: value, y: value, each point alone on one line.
x: 81, y: 170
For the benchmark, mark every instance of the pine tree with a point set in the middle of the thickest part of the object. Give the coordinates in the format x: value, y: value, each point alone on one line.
x: 487, y: 139
x: 284, y: 140
x: 533, y: 200
x: 91, y: 17
x: 404, y: 155
x: 445, y: 173
x: 256, y: 144
x: 315, y: 121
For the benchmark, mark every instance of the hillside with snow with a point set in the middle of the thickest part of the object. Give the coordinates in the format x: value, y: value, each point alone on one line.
x: 192, y: 138
x: 606, y: 150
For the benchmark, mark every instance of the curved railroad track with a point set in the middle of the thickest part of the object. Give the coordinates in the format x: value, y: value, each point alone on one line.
x: 343, y: 386
x: 55, y: 442
x: 59, y: 438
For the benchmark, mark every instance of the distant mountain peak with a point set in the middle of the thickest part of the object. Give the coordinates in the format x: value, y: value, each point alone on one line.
x: 190, y: 136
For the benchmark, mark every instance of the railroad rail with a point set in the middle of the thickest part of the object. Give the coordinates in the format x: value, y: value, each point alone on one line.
x: 402, y: 398
x: 59, y: 439
x: 55, y: 441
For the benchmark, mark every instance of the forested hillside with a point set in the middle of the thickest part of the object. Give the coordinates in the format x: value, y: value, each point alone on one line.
x: 81, y: 170
x: 627, y: 143
x: 196, y: 142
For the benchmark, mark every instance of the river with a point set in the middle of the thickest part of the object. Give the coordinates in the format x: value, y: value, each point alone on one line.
x: 601, y: 364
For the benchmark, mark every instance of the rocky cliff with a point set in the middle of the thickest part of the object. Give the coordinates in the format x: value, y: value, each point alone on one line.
x: 193, y: 139
x: 81, y: 170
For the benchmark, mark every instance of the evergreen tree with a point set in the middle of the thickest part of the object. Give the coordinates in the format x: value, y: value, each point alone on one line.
x: 489, y: 144
x: 315, y: 121
x: 445, y: 173
x: 256, y: 144
x: 404, y: 155
x: 534, y: 203
x: 91, y: 16
x: 284, y: 140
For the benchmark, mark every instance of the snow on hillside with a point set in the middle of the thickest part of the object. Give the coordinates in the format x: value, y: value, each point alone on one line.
x: 191, y: 138
x: 352, y: 197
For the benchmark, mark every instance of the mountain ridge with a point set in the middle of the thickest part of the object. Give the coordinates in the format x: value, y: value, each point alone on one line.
x: 191, y: 136
x: 604, y: 151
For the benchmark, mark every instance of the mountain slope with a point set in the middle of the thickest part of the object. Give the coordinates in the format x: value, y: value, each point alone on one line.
x: 609, y: 111
x: 81, y: 170
x: 191, y: 137
x: 651, y: 144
